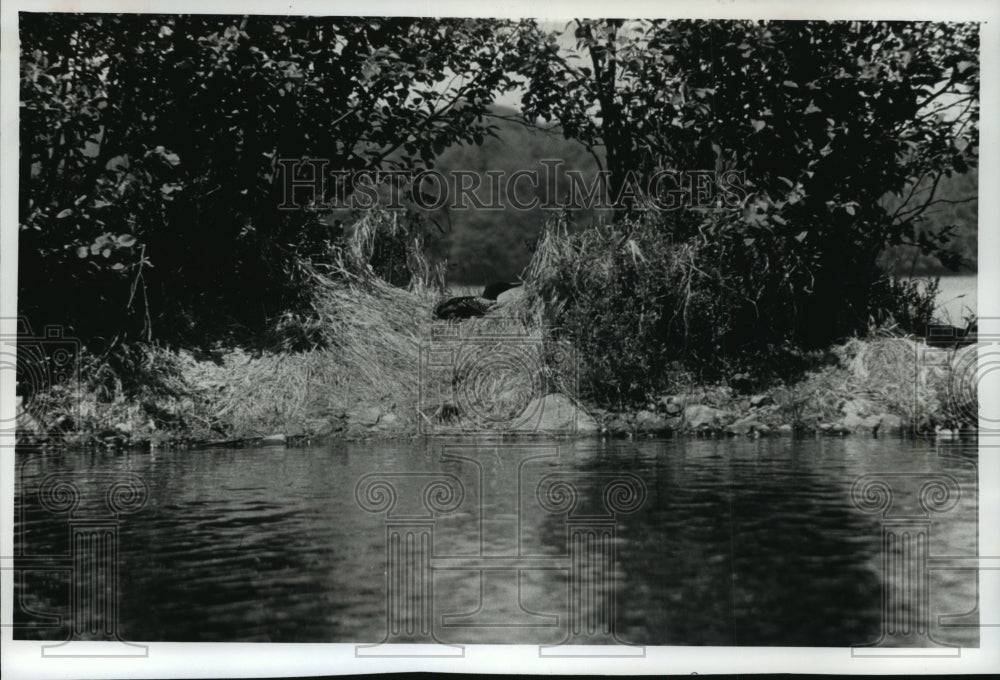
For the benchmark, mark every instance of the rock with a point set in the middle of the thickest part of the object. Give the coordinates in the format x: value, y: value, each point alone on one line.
x: 365, y: 416
x: 558, y: 415
x: 323, y: 426
x: 891, y: 424
x: 509, y: 296
x: 785, y: 428
x: 670, y: 404
x: 761, y: 400
x: 617, y: 425
x: 75, y: 439
x: 388, y: 421
x: 123, y: 428
x: 274, y: 440
x: 647, y: 421
x: 24, y: 422
x: 834, y: 429
x: 852, y: 421
x: 746, y: 425
x: 858, y: 416
x: 856, y: 409
x: 872, y: 424
x: 699, y: 415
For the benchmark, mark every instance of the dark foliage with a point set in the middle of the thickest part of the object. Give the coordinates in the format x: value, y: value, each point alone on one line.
x: 150, y: 183
x: 151, y: 191
x: 843, y: 131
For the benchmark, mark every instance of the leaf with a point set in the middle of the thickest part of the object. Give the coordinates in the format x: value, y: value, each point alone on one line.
x: 126, y: 240
x: 790, y: 83
x: 801, y: 236
x: 850, y: 209
x: 82, y: 252
x: 758, y: 125
x: 64, y: 213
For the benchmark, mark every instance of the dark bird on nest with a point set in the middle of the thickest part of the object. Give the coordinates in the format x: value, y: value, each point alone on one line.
x: 472, y: 305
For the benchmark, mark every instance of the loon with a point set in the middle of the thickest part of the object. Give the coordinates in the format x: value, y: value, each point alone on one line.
x: 472, y: 305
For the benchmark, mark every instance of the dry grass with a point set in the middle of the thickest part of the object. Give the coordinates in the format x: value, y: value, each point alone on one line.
x: 925, y: 386
x: 928, y: 386
x: 380, y: 346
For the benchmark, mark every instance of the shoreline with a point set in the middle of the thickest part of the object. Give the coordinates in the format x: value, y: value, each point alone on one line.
x: 842, y: 399
x: 372, y: 379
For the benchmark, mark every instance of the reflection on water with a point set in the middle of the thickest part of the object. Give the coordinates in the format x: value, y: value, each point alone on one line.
x: 679, y: 542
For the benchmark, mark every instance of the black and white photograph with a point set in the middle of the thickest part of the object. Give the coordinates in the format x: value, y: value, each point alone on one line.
x: 499, y: 340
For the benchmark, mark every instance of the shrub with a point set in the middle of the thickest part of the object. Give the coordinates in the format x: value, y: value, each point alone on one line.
x: 655, y: 301
x: 633, y: 304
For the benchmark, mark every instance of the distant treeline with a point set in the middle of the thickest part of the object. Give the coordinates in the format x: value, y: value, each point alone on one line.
x: 958, y: 212
x: 484, y: 244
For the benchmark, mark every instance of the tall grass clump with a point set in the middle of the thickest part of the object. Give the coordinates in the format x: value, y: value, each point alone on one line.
x: 378, y: 245
x: 370, y: 306
x: 653, y: 302
x: 640, y: 309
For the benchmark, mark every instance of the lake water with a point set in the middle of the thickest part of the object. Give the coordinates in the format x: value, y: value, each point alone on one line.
x: 957, y: 298
x: 676, y: 542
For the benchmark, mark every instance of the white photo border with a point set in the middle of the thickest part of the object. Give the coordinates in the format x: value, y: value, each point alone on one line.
x: 22, y: 659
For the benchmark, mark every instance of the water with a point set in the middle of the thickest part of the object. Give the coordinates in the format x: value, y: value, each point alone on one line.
x: 957, y: 298
x: 733, y: 541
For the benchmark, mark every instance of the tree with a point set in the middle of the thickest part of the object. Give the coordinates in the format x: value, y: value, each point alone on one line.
x: 150, y: 182
x: 823, y: 118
